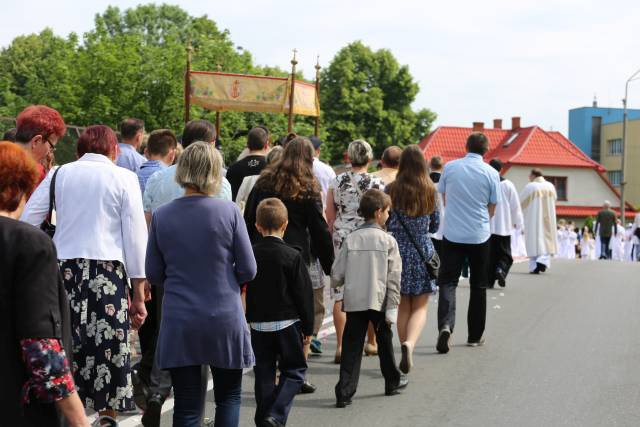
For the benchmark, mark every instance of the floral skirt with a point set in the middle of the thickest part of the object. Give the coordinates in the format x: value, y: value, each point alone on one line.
x: 97, y: 292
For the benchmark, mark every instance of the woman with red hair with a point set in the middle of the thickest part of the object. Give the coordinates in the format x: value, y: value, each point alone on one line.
x: 101, y: 237
x: 35, y: 336
x: 38, y: 129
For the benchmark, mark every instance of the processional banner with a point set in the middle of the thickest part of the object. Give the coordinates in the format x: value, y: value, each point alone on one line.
x: 239, y: 92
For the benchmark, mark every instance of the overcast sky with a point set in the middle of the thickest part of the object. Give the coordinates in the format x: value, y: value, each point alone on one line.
x: 474, y: 60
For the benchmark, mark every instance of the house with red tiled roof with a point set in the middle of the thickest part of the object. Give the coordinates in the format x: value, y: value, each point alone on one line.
x: 581, y: 183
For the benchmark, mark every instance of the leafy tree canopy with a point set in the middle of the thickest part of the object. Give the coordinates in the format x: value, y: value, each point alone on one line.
x: 132, y: 63
x: 368, y: 94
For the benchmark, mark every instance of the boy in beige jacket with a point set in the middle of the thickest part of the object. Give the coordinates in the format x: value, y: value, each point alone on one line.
x: 368, y: 266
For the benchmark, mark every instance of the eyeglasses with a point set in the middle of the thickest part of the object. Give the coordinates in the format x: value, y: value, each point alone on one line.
x: 52, y: 147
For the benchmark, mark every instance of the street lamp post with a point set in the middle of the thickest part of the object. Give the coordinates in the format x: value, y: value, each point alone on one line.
x: 624, y: 144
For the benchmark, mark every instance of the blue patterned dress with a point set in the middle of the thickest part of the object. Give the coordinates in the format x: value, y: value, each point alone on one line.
x: 415, y: 278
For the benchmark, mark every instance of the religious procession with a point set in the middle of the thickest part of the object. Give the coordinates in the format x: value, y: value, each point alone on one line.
x: 152, y: 278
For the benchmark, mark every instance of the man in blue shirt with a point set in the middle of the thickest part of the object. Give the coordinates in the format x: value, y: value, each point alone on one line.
x: 470, y: 190
x: 161, y: 151
x: 132, y: 133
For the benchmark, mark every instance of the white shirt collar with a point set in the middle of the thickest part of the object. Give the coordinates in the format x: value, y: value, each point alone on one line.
x: 94, y: 157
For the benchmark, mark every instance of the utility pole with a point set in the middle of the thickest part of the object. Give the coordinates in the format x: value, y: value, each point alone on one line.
x: 623, y: 182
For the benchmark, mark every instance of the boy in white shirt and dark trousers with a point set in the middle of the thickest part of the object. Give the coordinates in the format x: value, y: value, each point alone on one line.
x: 369, y: 267
x: 280, y: 313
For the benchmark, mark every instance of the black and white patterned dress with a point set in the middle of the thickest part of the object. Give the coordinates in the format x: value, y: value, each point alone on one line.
x: 97, y: 292
x: 347, y: 201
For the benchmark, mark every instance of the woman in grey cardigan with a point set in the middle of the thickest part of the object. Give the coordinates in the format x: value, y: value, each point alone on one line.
x: 200, y: 252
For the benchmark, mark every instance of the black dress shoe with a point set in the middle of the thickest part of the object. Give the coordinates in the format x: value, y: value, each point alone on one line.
x: 392, y: 391
x: 153, y: 413
x: 271, y: 422
x: 343, y: 403
x: 307, y: 388
x: 443, y: 340
x: 501, y: 276
x: 541, y: 267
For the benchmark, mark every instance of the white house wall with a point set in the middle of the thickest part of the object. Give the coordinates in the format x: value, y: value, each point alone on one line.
x: 584, y: 186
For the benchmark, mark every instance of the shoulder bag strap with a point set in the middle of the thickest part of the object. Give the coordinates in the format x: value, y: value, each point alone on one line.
x: 413, y: 240
x: 52, y: 192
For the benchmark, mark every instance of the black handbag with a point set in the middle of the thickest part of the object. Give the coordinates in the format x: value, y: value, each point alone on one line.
x: 432, y: 265
x: 46, y: 225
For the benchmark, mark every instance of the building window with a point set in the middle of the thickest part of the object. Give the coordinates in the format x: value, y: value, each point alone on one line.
x: 560, y: 182
x: 615, y: 177
x: 614, y: 147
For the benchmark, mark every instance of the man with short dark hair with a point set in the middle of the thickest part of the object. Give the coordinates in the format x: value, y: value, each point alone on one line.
x: 605, y: 227
x: 390, y: 162
x: 470, y: 190
x: 508, y: 217
x: 162, y: 187
x: 435, y: 166
x: 161, y: 150
x: 253, y: 163
x: 38, y: 130
x: 132, y: 133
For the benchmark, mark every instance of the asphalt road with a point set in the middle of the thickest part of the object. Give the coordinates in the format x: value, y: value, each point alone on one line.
x: 562, y: 349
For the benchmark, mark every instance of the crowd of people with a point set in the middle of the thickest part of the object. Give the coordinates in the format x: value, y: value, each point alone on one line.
x: 607, y: 239
x: 223, y: 269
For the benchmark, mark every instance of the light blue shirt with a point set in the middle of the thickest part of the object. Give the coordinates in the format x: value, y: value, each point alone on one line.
x: 147, y: 169
x: 129, y: 158
x: 162, y: 188
x: 468, y: 185
x: 274, y: 326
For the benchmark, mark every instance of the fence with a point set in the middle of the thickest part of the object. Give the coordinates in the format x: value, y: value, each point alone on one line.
x: 65, y: 148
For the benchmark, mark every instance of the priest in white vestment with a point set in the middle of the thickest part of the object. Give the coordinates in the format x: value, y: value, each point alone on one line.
x: 538, y: 201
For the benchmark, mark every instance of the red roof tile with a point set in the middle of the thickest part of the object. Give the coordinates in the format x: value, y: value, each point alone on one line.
x: 531, y: 146
x: 585, y: 211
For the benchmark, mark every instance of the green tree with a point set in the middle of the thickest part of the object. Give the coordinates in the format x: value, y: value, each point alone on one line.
x: 39, y: 69
x: 367, y: 94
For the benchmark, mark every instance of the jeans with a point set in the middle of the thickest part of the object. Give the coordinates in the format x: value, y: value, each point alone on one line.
x: 452, y: 257
x: 187, y: 389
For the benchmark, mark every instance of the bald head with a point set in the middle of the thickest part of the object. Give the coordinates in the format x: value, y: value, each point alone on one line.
x: 391, y: 157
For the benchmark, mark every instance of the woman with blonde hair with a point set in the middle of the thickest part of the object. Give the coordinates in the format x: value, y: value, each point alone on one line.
x: 414, y: 217
x: 199, y: 251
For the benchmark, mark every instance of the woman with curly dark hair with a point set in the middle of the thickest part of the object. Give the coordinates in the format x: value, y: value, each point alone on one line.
x: 291, y: 180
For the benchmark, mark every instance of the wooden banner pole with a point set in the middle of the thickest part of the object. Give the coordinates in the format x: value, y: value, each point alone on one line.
x: 293, y: 85
x: 316, y: 130
x: 218, y: 113
x: 187, y: 85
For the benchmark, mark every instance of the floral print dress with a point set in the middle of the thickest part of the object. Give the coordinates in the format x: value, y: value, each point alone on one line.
x: 347, y: 197
x: 415, y: 279
x: 97, y: 293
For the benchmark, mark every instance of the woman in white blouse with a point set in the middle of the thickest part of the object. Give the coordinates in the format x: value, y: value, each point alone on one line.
x: 101, y: 239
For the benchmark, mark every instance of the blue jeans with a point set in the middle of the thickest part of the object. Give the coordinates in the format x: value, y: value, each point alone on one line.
x: 187, y: 389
